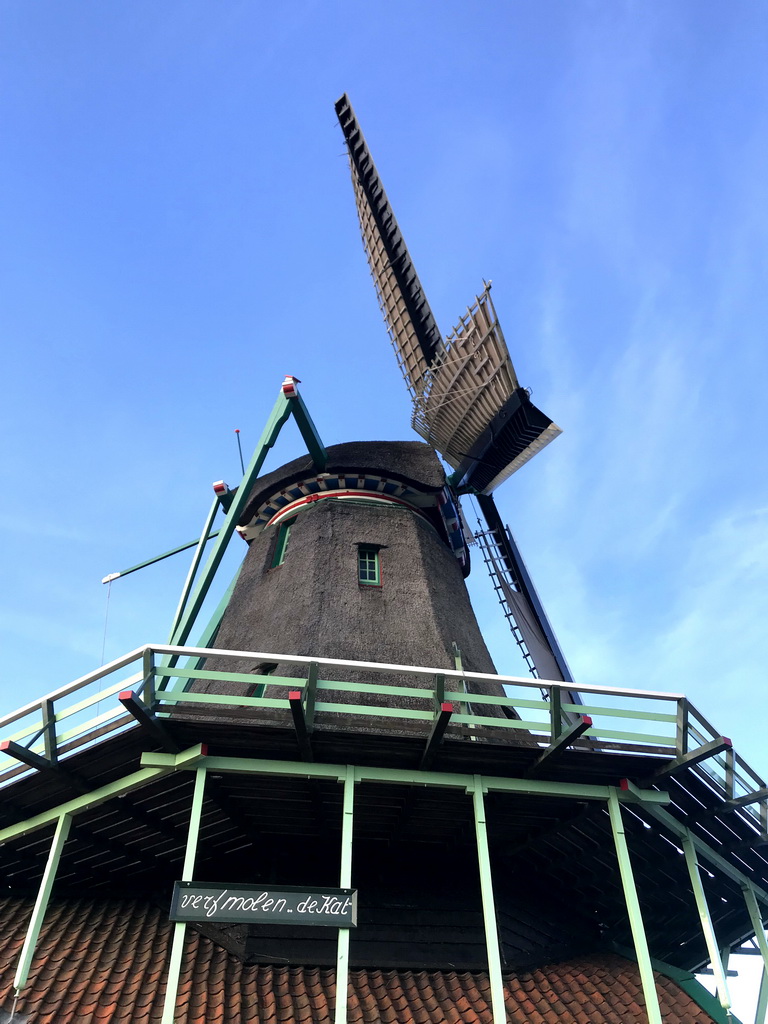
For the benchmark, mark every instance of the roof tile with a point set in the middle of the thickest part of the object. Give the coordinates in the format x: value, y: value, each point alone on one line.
x: 106, y: 962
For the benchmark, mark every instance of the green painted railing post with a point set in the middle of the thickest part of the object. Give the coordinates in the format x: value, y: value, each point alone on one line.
x: 730, y: 774
x: 49, y: 730
x: 757, y: 923
x: 633, y: 909
x: 187, y: 874
x: 345, y: 882
x: 41, y: 903
x: 707, y: 927
x: 196, y: 559
x: 148, y: 669
x: 555, y: 712
x: 310, y: 696
x: 489, y: 905
x: 439, y: 691
x: 681, y: 732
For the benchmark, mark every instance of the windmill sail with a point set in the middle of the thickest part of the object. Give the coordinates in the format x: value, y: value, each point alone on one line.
x: 468, y: 403
x: 410, y: 323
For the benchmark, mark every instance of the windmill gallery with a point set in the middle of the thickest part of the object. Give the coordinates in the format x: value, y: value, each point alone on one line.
x: 396, y: 832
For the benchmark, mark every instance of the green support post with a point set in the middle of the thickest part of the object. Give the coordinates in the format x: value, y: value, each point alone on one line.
x: 681, y: 728
x: 280, y: 413
x: 196, y: 559
x: 459, y: 666
x: 555, y: 712
x: 310, y: 696
x: 762, y: 1000
x: 315, y: 446
x: 49, y: 730
x: 633, y: 909
x: 707, y: 927
x: 41, y: 903
x: 148, y: 680
x: 757, y: 923
x: 345, y: 882
x: 489, y: 906
x: 187, y: 873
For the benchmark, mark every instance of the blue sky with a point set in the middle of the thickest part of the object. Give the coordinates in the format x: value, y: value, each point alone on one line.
x: 179, y: 232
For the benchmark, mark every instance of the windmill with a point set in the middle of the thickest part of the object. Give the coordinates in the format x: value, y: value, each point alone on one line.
x: 339, y: 721
x: 468, y: 403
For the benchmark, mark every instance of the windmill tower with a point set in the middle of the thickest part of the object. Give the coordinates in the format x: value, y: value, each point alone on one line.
x: 343, y: 810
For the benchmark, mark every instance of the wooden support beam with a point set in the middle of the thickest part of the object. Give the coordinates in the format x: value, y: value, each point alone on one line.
x: 28, y: 757
x: 436, y: 734
x: 146, y: 719
x: 561, y: 743
x: 300, y: 725
x: 702, y: 753
x: 42, y: 764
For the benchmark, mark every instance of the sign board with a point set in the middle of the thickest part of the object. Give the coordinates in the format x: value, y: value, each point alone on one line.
x: 251, y: 904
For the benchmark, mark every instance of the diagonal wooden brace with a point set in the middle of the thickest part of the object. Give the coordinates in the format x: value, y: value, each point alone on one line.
x: 29, y: 757
x: 436, y: 734
x: 706, y: 750
x: 563, y: 741
x: 42, y: 764
x: 146, y: 719
x: 300, y: 725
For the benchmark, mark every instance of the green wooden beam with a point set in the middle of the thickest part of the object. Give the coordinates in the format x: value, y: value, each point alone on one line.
x: 151, y: 561
x: 403, y: 776
x: 187, y: 874
x: 702, y: 753
x: 705, y: 917
x: 489, y: 905
x: 345, y: 882
x: 757, y: 923
x: 280, y: 413
x: 762, y: 1000
x: 309, y: 432
x: 633, y: 909
x: 196, y: 559
x: 41, y: 903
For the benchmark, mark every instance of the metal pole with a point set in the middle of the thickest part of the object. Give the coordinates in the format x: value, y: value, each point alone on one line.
x: 489, y: 908
x: 706, y: 922
x: 633, y: 909
x: 345, y: 882
x: 179, y: 931
x: 757, y: 923
x: 41, y: 903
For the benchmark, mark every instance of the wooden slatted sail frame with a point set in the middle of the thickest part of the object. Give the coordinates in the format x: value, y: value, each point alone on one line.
x: 468, y: 402
x: 471, y: 407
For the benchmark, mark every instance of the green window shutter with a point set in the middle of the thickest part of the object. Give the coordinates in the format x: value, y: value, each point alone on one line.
x: 281, y: 544
x: 368, y: 569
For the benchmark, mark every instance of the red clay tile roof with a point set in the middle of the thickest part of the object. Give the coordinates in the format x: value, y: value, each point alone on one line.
x: 105, y: 962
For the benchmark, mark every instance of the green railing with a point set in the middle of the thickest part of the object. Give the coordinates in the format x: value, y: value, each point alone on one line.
x: 84, y: 712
